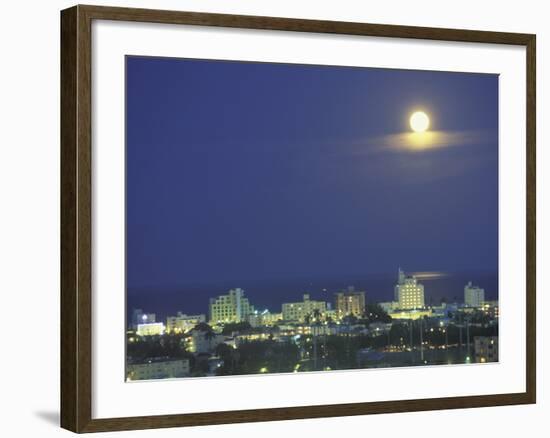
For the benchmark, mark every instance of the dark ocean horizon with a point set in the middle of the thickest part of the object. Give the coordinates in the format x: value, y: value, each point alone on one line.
x: 270, y: 294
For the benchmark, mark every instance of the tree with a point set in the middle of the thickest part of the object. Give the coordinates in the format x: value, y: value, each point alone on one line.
x: 168, y: 345
x: 236, y: 327
x: 375, y: 313
x: 230, y: 356
x: 350, y: 319
x: 203, y: 327
x: 399, y: 334
x: 316, y: 315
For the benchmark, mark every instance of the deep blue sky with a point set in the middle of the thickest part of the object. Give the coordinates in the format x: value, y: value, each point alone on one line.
x: 243, y: 173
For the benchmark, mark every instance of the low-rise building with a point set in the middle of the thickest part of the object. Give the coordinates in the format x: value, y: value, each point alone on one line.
x: 141, y: 317
x: 491, y: 308
x: 158, y: 368
x: 253, y: 336
x: 410, y: 314
x: 203, y: 340
x: 182, y: 323
x: 379, y: 327
x: 445, y: 310
x: 265, y: 318
x: 300, y: 311
x: 486, y: 349
x: 389, y: 306
x: 150, y: 329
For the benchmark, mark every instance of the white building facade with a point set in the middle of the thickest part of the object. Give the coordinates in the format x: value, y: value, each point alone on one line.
x: 233, y: 307
x: 409, y: 293
x: 301, y: 310
x: 203, y: 341
x: 158, y: 369
x: 350, y: 302
x: 151, y: 329
x: 141, y: 317
x: 474, y: 296
x: 182, y: 323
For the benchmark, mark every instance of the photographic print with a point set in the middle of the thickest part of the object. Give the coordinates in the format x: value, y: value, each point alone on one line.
x: 286, y: 218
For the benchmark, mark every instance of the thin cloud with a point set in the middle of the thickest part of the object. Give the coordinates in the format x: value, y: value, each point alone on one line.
x: 422, y: 141
x: 430, y: 275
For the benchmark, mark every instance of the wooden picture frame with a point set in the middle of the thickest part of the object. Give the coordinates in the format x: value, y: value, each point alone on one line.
x: 76, y: 217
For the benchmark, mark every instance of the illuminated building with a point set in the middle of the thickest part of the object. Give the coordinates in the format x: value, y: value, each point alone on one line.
x: 410, y: 314
x: 139, y: 317
x: 474, y: 296
x: 331, y: 314
x: 233, y: 307
x: 301, y: 310
x: 490, y: 308
x: 350, y: 302
x: 316, y: 329
x: 182, y: 323
x: 254, y: 336
x: 203, y: 340
x: 409, y: 293
x: 150, y: 329
x: 160, y: 368
x: 486, y: 349
x: 265, y: 318
x: 389, y: 306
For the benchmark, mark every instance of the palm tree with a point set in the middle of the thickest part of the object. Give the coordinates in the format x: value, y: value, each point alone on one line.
x: 314, y: 332
x: 316, y: 314
x: 202, y: 326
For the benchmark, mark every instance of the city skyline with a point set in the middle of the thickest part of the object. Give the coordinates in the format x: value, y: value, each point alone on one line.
x: 234, y: 337
x: 439, y: 286
x: 330, y: 297
x: 295, y: 218
x: 309, y: 186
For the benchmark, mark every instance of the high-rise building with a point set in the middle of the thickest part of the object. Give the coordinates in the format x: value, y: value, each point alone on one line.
x: 474, y: 296
x: 409, y: 293
x: 300, y: 311
x: 233, y: 307
x: 350, y: 302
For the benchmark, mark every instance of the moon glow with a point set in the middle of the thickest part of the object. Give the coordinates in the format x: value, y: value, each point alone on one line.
x: 419, y: 121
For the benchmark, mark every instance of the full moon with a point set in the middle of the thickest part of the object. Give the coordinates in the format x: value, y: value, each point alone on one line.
x: 419, y: 121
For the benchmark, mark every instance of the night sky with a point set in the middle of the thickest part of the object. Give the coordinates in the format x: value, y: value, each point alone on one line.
x: 242, y: 174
